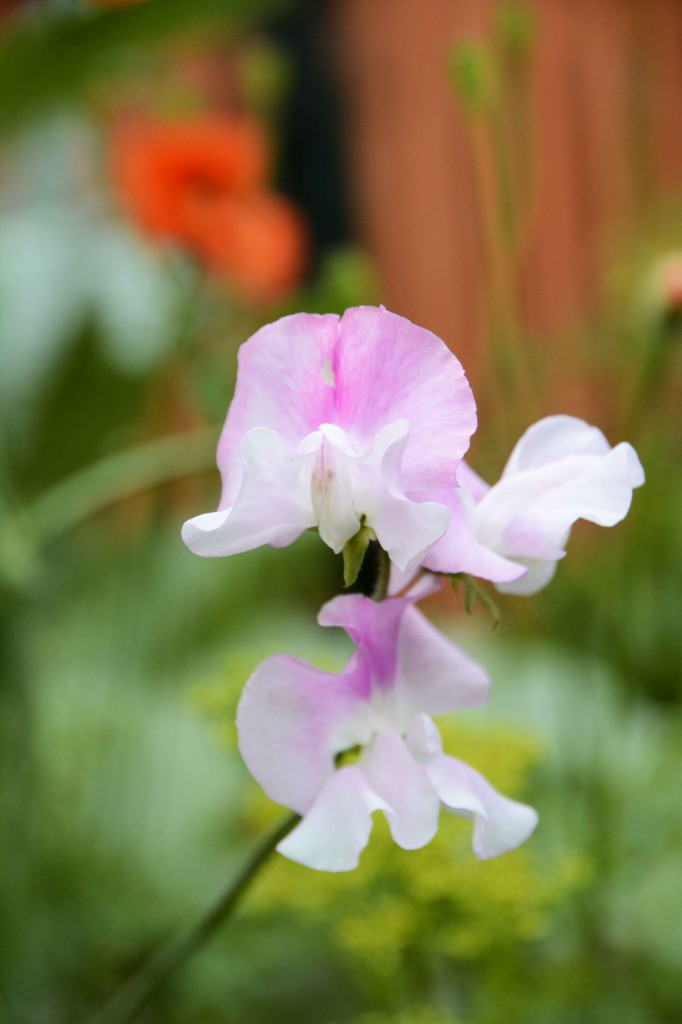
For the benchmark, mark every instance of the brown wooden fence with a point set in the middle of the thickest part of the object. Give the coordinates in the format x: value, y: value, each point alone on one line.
x: 605, y: 139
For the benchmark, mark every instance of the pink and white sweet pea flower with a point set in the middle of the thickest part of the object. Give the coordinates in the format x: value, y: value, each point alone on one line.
x: 513, y: 533
x: 295, y: 721
x: 338, y: 423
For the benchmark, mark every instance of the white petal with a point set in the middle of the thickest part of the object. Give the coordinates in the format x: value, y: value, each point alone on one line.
x: 332, y: 492
x: 552, y: 438
x: 273, y: 505
x: 500, y: 824
x: 406, y: 529
x: 538, y: 576
x: 336, y: 829
x: 561, y: 470
x: 423, y: 739
x: 412, y: 805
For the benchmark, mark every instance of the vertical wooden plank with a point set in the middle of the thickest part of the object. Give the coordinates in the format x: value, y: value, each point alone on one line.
x: 601, y: 67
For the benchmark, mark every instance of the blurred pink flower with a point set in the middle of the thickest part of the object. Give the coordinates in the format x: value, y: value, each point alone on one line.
x: 338, y: 423
x: 297, y: 722
x: 513, y: 533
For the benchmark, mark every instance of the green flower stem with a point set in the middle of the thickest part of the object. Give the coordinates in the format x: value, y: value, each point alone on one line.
x: 118, y: 477
x: 134, y: 994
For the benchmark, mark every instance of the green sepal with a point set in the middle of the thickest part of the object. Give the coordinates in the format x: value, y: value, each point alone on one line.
x: 354, y: 552
x: 474, y: 593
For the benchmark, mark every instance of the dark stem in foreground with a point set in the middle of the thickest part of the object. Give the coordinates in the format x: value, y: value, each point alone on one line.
x: 134, y: 993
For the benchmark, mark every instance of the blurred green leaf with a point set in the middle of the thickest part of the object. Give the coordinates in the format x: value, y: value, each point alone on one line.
x: 45, y: 64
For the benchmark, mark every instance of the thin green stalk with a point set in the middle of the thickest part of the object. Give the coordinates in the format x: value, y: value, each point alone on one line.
x: 135, y: 993
x: 116, y: 477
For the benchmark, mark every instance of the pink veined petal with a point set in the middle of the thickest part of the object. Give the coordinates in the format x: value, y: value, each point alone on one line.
x: 293, y: 719
x: 273, y: 505
x: 411, y: 803
x: 336, y: 828
x: 388, y: 369
x: 460, y: 550
x: 500, y: 824
x: 285, y: 382
x: 432, y: 675
x: 361, y: 372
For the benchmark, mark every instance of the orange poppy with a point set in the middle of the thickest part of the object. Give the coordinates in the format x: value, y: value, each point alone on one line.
x: 201, y: 184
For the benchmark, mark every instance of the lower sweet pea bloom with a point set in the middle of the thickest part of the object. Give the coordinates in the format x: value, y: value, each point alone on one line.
x: 300, y: 727
x: 513, y: 533
x: 340, y: 423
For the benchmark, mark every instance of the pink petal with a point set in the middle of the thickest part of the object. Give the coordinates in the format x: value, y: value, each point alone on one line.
x: 285, y: 382
x: 362, y: 372
x: 432, y: 674
x: 471, y: 482
x: 460, y: 550
x: 272, y: 505
x: 500, y: 824
x: 373, y: 627
x: 411, y: 804
x: 336, y: 829
x: 389, y: 369
x: 293, y: 719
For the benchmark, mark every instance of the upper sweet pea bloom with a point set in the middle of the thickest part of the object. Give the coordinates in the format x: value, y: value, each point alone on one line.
x: 513, y: 533
x: 338, y: 423
x: 300, y: 727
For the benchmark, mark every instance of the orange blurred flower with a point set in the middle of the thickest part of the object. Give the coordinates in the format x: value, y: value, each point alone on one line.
x: 201, y: 184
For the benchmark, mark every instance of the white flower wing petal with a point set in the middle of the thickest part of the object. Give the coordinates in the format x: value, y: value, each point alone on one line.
x: 273, y: 505
x: 411, y: 803
x: 336, y: 828
x: 500, y: 824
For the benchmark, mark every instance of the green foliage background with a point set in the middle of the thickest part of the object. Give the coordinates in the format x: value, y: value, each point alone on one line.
x: 123, y: 801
